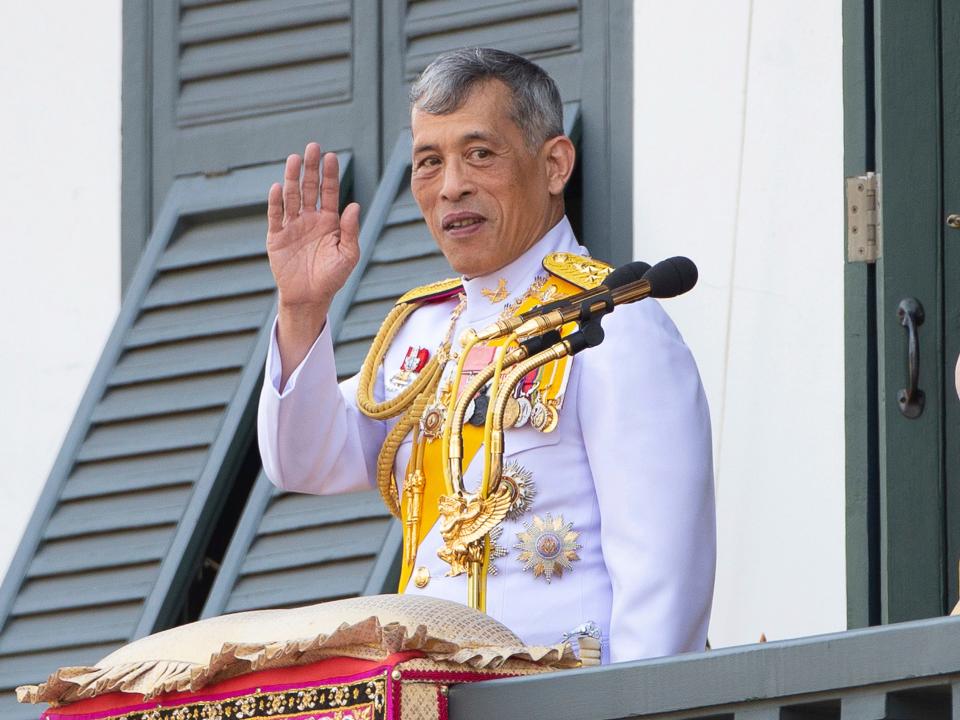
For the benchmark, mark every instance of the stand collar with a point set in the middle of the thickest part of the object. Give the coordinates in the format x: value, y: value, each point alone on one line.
x: 488, y: 295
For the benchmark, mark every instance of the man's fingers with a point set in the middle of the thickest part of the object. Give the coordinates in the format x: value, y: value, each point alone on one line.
x: 311, y: 176
x: 275, y: 208
x: 291, y: 188
x: 330, y: 191
x: 350, y: 231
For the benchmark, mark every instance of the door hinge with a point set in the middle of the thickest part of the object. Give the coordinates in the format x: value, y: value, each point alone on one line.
x: 863, y: 218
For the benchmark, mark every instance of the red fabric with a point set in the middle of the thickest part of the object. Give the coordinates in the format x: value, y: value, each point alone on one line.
x: 324, y: 670
x: 443, y: 705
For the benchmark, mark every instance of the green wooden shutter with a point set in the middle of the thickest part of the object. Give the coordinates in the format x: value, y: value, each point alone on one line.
x: 154, y: 447
x: 211, y: 85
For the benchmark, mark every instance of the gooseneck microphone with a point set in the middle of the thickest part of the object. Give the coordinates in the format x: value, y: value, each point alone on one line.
x: 621, y: 276
x: 671, y: 277
x: 625, y: 274
x: 668, y: 278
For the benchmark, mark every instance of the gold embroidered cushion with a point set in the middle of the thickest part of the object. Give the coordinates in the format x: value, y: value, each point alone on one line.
x: 189, y: 657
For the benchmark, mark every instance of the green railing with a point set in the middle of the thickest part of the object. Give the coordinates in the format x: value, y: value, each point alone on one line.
x: 907, y: 671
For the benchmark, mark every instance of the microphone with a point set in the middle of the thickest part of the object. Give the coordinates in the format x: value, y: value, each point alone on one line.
x: 668, y: 278
x: 623, y: 275
x: 626, y: 274
x: 671, y: 277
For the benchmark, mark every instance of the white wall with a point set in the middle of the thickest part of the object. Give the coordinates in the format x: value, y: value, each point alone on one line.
x: 738, y: 164
x: 59, y: 229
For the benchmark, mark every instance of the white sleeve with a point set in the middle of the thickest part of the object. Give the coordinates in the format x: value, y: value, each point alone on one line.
x: 646, y: 428
x: 312, y: 437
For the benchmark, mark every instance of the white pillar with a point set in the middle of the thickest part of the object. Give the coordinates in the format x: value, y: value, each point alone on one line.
x: 738, y: 164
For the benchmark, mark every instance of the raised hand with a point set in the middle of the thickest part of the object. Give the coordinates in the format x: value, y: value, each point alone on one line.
x: 312, y: 249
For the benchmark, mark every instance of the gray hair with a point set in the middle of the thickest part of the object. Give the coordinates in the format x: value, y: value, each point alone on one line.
x: 537, y: 110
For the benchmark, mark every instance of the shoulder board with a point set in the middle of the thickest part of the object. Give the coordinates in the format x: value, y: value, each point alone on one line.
x: 584, y: 272
x: 433, y: 291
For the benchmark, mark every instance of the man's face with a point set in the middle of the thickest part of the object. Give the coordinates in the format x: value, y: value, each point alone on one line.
x: 485, y: 196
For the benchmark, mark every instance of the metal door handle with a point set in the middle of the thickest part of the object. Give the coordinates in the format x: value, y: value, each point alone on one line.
x: 911, y: 398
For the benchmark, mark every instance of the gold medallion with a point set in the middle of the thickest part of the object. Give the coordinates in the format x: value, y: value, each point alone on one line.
x: 421, y: 577
x: 553, y: 417
x: 544, y: 416
x: 431, y: 424
x: 548, y: 546
x: 538, y: 416
x: 525, y: 409
x: 511, y: 412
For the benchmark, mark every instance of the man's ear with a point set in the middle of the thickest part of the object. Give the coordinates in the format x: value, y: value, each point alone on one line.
x: 559, y: 155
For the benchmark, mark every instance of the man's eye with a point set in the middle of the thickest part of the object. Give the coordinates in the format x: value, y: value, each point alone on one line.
x: 427, y: 162
x: 481, y: 153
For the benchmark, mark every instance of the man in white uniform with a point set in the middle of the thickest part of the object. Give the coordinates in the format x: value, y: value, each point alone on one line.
x: 618, y: 539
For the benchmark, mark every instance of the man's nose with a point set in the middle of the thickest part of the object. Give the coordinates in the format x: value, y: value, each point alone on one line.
x: 456, y: 182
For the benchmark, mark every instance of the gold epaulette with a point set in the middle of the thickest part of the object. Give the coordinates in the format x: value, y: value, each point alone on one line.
x: 584, y: 272
x: 438, y: 289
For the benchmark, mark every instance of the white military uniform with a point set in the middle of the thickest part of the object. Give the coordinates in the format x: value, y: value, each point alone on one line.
x: 629, y: 466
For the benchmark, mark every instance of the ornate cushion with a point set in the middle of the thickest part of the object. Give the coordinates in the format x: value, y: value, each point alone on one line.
x: 191, y: 657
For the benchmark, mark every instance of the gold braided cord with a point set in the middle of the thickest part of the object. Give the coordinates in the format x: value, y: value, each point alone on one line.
x: 488, y: 421
x: 467, y: 341
x: 388, y: 453
x: 368, y: 372
x: 413, y: 399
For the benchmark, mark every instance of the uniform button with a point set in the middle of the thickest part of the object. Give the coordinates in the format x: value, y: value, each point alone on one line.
x: 421, y: 577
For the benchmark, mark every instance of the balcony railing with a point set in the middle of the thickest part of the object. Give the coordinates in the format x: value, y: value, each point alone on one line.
x: 907, y: 671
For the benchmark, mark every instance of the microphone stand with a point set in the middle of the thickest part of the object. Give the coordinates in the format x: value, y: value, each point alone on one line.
x: 453, y: 432
x: 493, y: 499
x: 468, y: 549
x: 589, y: 335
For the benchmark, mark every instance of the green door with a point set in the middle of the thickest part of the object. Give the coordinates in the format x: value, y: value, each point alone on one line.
x: 902, y: 120
x: 950, y: 278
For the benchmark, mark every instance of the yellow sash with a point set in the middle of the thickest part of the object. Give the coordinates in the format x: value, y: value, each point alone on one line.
x: 554, y: 373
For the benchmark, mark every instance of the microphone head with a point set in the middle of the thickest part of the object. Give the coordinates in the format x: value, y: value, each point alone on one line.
x: 671, y: 277
x: 626, y: 274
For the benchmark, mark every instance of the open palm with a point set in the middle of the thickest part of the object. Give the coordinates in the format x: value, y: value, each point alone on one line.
x: 312, y: 249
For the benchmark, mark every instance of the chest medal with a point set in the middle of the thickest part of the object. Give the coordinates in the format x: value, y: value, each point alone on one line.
x: 413, y: 362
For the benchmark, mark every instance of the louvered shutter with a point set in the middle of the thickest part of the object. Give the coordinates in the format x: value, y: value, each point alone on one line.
x: 153, y: 450
x: 225, y: 84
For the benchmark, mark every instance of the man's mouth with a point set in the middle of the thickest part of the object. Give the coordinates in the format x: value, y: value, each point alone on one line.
x: 461, y: 221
